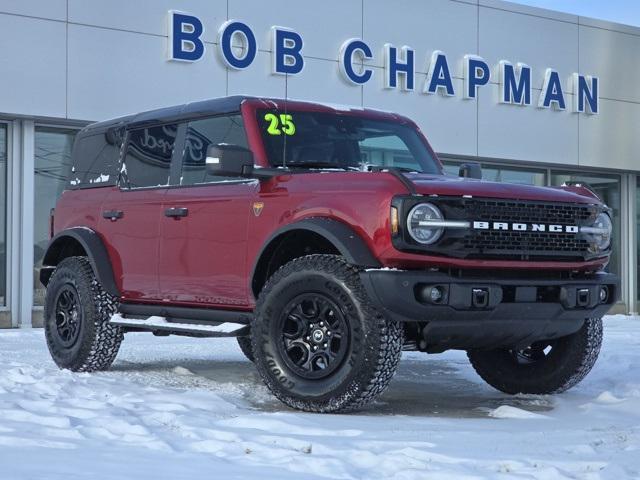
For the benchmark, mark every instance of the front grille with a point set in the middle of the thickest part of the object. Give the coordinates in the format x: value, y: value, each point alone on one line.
x: 528, y: 212
x: 526, y: 244
x: 507, y: 244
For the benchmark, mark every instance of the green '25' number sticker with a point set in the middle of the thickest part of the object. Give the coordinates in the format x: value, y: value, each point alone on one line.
x: 279, y: 124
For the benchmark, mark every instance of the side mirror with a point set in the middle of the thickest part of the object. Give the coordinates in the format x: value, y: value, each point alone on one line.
x: 471, y: 170
x: 229, y: 161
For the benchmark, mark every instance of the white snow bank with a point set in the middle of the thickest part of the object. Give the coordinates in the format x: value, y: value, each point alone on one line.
x: 195, y: 408
x: 507, y: 411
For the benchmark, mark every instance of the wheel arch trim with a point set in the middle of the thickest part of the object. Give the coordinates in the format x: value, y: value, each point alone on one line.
x: 349, y: 243
x: 96, y: 252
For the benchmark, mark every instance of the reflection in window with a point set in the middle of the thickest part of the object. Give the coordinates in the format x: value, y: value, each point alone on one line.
x: 200, y: 135
x: 95, y: 159
x: 3, y: 215
x: 148, y: 159
x: 52, y: 170
x: 607, y: 187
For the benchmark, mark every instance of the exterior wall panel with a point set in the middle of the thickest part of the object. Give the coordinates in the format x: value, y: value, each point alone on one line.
x: 342, y: 18
x: 528, y: 133
x: 320, y: 82
x: 424, y: 26
x: 113, y: 73
x: 32, y: 62
x: 50, y: 9
x: 147, y: 17
x: 615, y: 58
x: 611, y: 139
x: 255, y: 80
x: 539, y: 42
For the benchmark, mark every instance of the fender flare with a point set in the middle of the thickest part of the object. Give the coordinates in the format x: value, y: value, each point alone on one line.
x: 94, y: 247
x: 350, y: 245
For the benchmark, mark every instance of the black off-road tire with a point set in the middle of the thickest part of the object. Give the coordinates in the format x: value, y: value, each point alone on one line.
x: 97, y: 342
x: 568, y: 361
x: 373, y: 343
x: 245, y: 345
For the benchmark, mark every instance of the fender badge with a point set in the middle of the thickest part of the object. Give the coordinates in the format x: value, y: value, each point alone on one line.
x: 257, y: 208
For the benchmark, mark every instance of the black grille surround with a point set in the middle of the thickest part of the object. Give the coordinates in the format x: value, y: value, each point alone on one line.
x: 488, y: 244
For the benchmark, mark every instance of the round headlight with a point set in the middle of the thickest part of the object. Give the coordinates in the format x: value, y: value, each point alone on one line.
x: 600, y: 232
x: 418, y: 223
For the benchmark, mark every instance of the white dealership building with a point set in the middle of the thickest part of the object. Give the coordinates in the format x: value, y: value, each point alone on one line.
x: 536, y: 96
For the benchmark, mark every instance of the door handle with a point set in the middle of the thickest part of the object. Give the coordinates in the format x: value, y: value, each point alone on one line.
x: 176, y: 212
x: 112, y: 215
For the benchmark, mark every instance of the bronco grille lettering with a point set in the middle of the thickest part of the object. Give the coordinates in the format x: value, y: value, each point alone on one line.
x: 525, y: 227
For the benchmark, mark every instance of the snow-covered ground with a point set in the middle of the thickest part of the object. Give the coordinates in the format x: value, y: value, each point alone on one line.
x: 184, y: 408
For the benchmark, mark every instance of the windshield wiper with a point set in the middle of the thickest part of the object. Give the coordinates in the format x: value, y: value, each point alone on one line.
x: 324, y: 165
x: 382, y: 168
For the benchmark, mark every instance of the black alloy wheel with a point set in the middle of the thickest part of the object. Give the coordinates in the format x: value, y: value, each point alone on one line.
x: 549, y: 366
x: 319, y: 343
x: 68, y: 315
x: 77, y: 311
x: 537, y: 352
x: 315, y: 336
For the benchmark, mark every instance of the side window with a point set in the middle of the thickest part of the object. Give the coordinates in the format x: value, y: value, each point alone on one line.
x: 200, y: 135
x: 95, y: 159
x: 147, y: 162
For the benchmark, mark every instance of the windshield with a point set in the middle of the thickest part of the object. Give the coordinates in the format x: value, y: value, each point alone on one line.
x: 323, y: 140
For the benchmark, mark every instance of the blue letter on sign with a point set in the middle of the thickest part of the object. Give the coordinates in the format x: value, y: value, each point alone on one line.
x: 393, y: 67
x: 347, y: 51
x: 551, y: 91
x: 476, y: 73
x: 184, y: 37
x: 287, y: 48
x: 582, y: 92
x: 438, y: 77
x: 515, y: 83
x: 227, y: 32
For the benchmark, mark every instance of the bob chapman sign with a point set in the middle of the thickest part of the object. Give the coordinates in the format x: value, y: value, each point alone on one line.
x: 186, y: 45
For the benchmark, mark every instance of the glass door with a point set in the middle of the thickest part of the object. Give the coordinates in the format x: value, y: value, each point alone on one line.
x: 3, y: 215
x: 52, y: 168
x: 608, y: 188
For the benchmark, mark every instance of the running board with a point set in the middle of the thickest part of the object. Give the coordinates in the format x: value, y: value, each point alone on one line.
x: 161, y: 324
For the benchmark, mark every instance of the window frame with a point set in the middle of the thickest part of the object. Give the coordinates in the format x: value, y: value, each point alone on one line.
x: 7, y: 188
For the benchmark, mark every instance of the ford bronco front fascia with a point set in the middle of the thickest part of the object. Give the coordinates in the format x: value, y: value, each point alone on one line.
x: 472, y: 309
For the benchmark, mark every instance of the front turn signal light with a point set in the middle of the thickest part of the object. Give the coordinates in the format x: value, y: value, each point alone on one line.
x: 394, y: 221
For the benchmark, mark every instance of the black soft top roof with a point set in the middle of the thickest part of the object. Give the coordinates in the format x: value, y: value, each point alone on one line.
x: 203, y: 108
x: 215, y: 106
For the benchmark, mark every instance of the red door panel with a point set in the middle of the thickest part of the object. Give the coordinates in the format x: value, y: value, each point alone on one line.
x: 133, y: 240
x: 203, y: 254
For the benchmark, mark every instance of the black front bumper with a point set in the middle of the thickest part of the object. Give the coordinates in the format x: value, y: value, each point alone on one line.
x: 485, y: 311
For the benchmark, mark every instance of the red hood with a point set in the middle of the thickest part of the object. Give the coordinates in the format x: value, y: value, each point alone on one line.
x: 446, y: 185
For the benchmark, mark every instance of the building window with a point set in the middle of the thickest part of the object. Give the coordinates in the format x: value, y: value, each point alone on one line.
x: 607, y: 187
x: 52, y: 170
x: 3, y: 215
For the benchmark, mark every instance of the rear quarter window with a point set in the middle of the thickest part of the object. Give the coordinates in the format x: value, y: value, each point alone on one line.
x: 95, y: 160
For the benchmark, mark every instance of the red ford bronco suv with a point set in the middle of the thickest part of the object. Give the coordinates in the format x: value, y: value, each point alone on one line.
x: 325, y: 239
